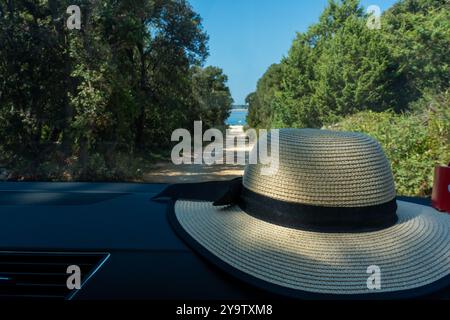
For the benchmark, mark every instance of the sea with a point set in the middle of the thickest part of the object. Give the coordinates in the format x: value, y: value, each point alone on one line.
x: 238, y: 117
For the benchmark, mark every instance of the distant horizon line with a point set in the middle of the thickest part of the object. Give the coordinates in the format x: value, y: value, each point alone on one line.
x: 239, y: 106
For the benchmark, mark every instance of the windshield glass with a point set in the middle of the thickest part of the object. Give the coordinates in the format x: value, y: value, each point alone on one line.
x: 168, y: 91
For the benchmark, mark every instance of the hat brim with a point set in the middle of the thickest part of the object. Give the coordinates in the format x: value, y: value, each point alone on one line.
x: 413, y: 255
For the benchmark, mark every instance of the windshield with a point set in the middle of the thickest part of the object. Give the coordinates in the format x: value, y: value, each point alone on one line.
x: 169, y: 91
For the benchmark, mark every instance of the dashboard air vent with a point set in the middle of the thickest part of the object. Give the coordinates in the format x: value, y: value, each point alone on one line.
x: 43, y: 275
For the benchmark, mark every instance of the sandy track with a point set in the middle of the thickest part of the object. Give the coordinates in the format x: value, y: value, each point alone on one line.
x: 167, y: 172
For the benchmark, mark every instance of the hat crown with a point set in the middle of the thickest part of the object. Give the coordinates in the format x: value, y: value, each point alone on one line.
x: 324, y: 168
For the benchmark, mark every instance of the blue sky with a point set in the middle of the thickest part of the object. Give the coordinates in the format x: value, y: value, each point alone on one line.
x: 247, y: 36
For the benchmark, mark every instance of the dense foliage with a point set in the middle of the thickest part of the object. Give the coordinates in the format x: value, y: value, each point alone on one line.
x: 340, y: 67
x: 212, y: 96
x: 83, y: 103
x: 414, y: 142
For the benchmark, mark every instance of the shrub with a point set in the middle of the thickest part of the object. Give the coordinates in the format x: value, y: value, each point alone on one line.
x: 414, y: 142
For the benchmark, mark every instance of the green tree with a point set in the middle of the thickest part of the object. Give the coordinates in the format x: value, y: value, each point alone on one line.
x: 353, y: 72
x: 34, y: 79
x: 71, y: 101
x: 340, y: 67
x: 261, y: 103
x: 418, y: 36
x: 211, y: 95
x: 292, y: 105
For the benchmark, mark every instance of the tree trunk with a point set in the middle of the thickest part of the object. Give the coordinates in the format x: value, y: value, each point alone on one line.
x: 83, y: 156
x: 140, y: 122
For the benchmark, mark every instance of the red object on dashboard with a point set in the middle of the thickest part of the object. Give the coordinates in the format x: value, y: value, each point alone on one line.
x: 441, y: 189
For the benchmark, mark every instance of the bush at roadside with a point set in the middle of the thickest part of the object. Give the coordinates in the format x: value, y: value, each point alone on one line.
x: 414, y: 142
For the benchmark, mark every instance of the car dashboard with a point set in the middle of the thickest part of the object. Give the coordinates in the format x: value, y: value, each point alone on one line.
x: 119, y: 238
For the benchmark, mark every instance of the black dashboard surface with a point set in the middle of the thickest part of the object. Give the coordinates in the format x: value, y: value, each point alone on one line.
x: 147, y: 260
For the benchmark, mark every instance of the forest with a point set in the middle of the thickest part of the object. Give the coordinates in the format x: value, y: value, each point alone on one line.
x: 391, y: 82
x: 92, y: 103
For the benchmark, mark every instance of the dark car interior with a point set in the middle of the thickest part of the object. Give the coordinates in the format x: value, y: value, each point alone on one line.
x: 121, y: 240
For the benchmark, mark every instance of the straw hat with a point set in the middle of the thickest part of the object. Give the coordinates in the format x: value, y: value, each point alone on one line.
x: 320, y: 225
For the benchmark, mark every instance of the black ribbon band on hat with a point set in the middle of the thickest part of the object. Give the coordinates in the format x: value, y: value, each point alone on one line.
x: 318, y: 218
x: 288, y: 214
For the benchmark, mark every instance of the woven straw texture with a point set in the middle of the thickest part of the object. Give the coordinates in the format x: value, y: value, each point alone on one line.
x: 325, y: 168
x: 413, y: 253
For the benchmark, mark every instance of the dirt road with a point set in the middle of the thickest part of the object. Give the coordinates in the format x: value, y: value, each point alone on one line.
x: 167, y: 172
